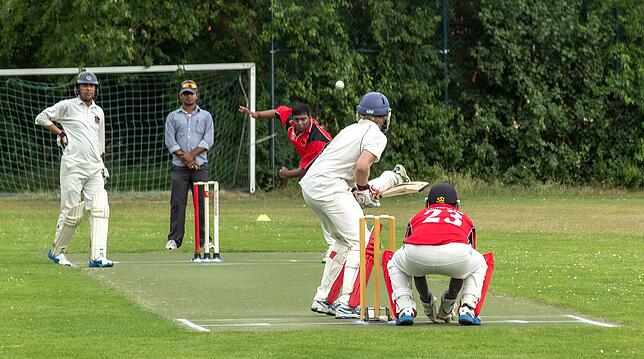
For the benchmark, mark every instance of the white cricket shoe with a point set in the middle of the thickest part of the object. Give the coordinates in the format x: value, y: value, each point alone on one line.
x: 59, y: 259
x: 171, y: 245
x: 402, y: 172
x: 319, y: 306
x: 344, y: 311
x: 447, y: 310
x: 101, y: 262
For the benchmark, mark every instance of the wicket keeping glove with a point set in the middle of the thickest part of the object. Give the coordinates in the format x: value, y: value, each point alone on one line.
x: 366, y: 196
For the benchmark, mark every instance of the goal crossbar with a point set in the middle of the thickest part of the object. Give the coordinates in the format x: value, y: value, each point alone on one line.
x: 250, y: 66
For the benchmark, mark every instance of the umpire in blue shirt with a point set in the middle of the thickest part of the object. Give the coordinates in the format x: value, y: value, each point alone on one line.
x: 189, y: 134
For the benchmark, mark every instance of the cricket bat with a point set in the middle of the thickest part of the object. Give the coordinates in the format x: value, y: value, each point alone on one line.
x: 405, y: 188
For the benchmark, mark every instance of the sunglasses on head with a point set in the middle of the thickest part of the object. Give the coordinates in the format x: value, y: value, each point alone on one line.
x: 189, y: 85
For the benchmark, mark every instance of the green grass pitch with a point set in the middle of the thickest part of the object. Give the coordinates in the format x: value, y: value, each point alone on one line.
x: 557, y: 251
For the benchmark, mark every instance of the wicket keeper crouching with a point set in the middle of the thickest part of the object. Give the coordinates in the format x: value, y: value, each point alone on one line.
x: 440, y: 239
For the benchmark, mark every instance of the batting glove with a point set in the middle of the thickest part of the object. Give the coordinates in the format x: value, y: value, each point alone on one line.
x: 61, y: 140
x: 366, y: 196
x: 106, y: 175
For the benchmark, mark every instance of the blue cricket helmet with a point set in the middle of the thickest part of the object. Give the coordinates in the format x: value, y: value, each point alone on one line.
x: 87, y: 77
x: 375, y: 104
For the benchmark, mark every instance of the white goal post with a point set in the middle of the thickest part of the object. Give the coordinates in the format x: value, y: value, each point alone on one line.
x: 136, y: 100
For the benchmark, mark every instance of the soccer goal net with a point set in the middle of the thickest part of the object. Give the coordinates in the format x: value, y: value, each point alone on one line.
x: 136, y: 101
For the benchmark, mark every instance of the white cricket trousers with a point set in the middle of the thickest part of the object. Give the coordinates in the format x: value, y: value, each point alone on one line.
x: 455, y: 260
x: 340, y: 218
x: 76, y: 184
x: 385, y: 181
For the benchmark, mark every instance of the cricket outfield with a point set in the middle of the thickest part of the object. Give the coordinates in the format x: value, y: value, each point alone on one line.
x: 568, y: 267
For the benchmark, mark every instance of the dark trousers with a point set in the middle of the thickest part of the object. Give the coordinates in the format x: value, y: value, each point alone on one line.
x: 182, y: 180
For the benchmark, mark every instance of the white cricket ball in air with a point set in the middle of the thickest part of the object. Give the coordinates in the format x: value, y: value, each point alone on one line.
x: 339, y: 85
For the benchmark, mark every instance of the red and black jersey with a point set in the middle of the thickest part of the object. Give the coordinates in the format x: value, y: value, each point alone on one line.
x: 309, y: 144
x: 440, y: 224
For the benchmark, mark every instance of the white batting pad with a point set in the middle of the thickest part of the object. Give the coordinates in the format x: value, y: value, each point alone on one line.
x: 332, y: 269
x: 387, y: 180
x: 473, y: 285
x: 67, y: 229
x: 100, y: 212
x: 401, y: 287
x: 351, y: 267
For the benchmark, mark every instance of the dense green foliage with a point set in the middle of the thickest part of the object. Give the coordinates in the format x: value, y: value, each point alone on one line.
x: 538, y: 91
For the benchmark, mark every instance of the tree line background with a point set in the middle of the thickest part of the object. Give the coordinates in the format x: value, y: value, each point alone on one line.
x: 533, y: 91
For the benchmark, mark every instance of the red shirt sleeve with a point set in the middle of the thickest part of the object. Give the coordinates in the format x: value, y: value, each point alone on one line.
x: 283, y: 113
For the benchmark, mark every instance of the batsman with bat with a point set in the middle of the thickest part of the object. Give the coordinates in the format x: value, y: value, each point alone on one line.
x: 440, y: 239
x: 309, y: 139
x: 327, y: 189
x: 82, y: 172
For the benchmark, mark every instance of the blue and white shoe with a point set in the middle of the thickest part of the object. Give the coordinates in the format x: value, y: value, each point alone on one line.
x: 101, y: 262
x: 466, y: 316
x: 344, y: 311
x: 402, y: 172
x: 406, y: 317
x: 319, y: 306
x: 59, y: 259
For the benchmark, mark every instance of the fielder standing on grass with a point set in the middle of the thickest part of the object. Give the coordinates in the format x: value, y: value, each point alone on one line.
x: 82, y: 173
x: 189, y: 134
x: 327, y: 190
x: 440, y: 239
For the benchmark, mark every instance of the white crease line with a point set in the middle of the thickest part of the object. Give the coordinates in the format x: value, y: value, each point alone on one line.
x: 192, y: 325
x: 523, y: 316
x: 588, y: 321
x: 513, y: 317
x: 188, y: 262
x: 354, y: 322
x: 522, y: 321
x: 240, y: 325
x: 285, y: 324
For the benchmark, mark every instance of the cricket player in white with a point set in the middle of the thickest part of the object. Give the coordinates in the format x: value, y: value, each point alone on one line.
x: 327, y: 189
x: 82, y: 172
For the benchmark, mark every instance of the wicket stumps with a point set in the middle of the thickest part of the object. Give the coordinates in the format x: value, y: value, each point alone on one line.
x: 216, y: 257
x: 373, y: 313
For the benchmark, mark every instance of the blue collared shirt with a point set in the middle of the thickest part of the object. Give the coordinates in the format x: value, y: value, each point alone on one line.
x: 184, y: 131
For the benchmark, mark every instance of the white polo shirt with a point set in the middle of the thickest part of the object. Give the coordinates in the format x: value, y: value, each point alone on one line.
x: 85, y: 129
x: 334, y: 170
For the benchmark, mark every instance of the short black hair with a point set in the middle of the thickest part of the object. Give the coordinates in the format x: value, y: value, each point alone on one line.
x: 300, y: 109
